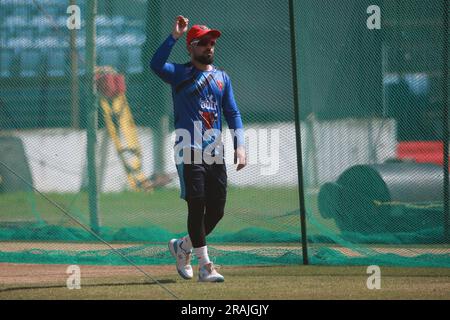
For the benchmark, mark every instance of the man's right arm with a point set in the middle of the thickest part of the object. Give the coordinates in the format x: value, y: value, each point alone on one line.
x: 159, y: 64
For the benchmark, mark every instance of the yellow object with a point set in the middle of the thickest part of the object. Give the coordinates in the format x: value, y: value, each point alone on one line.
x: 122, y: 130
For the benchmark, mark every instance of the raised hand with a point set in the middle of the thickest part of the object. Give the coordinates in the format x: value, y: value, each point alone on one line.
x: 180, y: 27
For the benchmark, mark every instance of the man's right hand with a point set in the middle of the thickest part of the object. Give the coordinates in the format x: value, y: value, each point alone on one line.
x: 240, y: 158
x: 180, y: 27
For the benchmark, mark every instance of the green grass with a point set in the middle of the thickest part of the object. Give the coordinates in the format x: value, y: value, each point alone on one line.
x: 273, y: 210
x: 269, y: 208
x: 243, y: 283
x: 246, y: 207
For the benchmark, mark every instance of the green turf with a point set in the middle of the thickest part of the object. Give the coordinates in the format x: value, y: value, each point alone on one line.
x: 246, y: 207
x: 243, y: 283
x: 253, y: 215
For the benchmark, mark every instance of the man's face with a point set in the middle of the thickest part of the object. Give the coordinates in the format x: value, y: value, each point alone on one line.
x: 202, y: 50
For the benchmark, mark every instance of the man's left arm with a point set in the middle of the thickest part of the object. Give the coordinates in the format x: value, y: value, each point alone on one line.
x: 234, y: 120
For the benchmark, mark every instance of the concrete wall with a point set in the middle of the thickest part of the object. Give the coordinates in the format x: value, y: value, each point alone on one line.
x: 57, y: 157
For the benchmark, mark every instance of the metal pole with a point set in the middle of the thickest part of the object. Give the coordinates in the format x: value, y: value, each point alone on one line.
x: 92, y: 114
x: 75, y: 98
x: 156, y: 99
x: 298, y: 140
x: 445, y: 123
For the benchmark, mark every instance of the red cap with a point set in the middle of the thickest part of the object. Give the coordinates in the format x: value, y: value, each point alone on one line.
x: 198, y: 31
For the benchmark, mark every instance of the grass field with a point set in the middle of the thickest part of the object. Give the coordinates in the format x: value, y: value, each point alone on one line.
x: 242, y: 283
x: 246, y: 207
x: 273, y: 209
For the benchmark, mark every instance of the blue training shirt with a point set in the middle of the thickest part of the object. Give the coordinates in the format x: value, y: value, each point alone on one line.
x: 199, y: 98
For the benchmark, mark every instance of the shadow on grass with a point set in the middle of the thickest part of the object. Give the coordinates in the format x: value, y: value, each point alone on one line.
x: 164, y: 281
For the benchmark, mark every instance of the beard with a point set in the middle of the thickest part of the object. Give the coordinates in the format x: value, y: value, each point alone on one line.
x: 204, y: 58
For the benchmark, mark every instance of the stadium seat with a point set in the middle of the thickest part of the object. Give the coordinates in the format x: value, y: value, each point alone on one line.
x: 102, y: 20
x: 418, y: 83
x: 52, y: 9
x: 13, y: 22
x: 61, y: 21
x: 41, y: 23
x: 103, y: 41
x: 132, y: 59
x: 118, y: 23
x: 30, y: 60
x: 23, y: 10
x: 19, y: 43
x: 130, y: 39
x: 108, y: 56
x: 64, y: 40
x: 107, y: 31
x: 7, y: 9
x: 6, y: 59
x: 57, y: 63
x: 124, y: 40
x: 3, y: 37
x: 46, y: 42
x: 138, y: 35
x: 27, y: 32
x: 81, y: 41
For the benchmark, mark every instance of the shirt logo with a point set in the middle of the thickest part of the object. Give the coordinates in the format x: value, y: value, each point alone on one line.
x: 219, y: 84
x: 208, y: 118
x: 208, y: 103
x: 208, y: 111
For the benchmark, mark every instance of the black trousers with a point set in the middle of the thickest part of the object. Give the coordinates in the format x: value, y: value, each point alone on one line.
x: 205, y: 190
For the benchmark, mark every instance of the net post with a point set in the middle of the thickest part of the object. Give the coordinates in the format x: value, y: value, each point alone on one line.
x: 298, y: 141
x: 74, y: 86
x: 445, y: 120
x: 156, y: 99
x: 92, y: 114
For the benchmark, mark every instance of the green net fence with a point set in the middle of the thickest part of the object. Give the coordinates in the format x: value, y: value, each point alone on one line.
x: 371, y: 111
x: 372, y: 104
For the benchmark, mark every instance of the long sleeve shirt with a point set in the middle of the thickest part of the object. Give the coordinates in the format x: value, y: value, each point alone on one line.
x: 199, y: 99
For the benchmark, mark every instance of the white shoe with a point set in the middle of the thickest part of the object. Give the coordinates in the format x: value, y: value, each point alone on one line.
x: 183, y: 257
x: 208, y: 273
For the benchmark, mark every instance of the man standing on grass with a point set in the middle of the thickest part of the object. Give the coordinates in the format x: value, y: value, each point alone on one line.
x: 200, y: 92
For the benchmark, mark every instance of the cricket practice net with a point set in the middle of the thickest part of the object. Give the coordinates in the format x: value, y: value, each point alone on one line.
x: 372, y: 116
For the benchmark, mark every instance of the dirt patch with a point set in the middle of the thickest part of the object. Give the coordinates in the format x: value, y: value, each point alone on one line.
x: 404, y: 252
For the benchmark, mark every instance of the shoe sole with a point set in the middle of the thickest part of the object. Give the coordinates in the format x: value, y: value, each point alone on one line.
x: 174, y: 254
